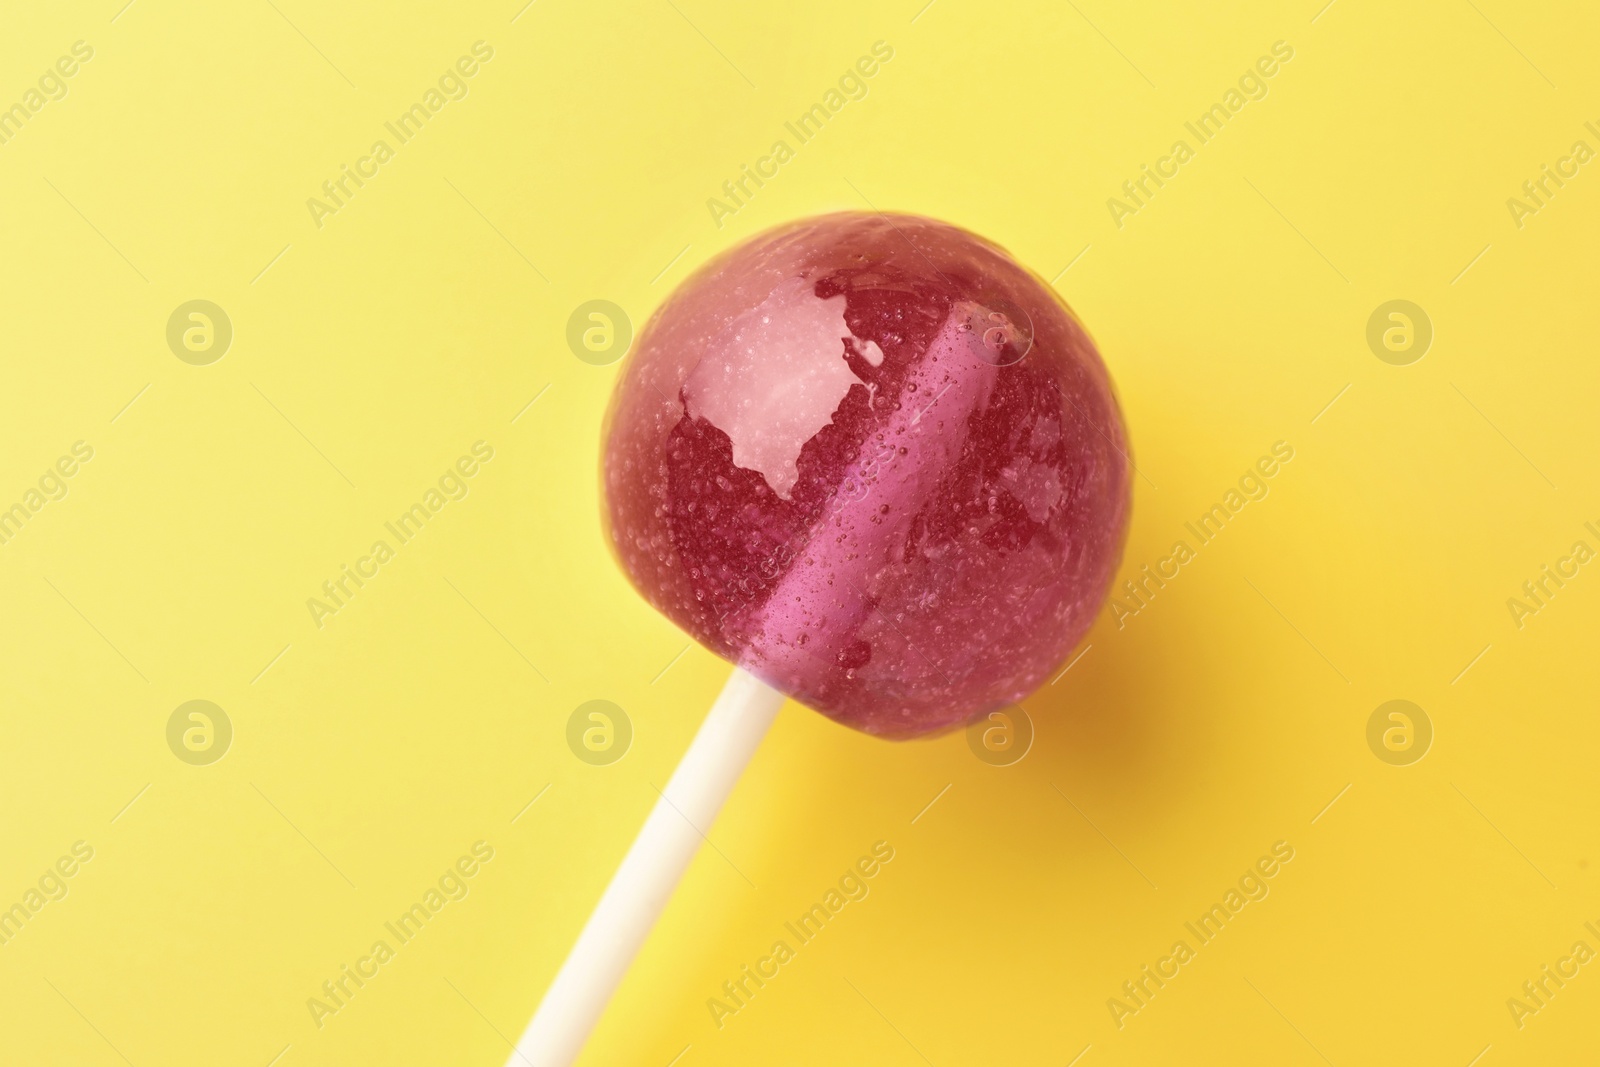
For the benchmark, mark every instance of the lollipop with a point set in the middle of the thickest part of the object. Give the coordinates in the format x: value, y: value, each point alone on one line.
x: 878, y: 466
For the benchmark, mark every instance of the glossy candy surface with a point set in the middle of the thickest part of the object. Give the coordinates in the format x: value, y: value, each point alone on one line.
x: 876, y: 463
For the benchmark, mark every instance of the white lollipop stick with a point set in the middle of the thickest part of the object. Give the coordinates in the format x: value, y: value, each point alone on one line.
x: 649, y: 872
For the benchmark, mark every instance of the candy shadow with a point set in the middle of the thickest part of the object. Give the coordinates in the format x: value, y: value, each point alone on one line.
x: 1126, y: 721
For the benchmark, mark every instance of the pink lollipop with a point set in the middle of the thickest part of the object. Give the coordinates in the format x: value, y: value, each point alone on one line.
x: 878, y: 466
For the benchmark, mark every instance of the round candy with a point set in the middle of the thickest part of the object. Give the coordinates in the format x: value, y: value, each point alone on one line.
x: 876, y: 463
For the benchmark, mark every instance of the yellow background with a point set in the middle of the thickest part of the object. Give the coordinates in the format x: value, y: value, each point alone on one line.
x: 425, y: 315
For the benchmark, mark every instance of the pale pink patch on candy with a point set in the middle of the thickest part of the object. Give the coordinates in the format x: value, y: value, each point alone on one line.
x: 874, y: 462
x: 777, y: 377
